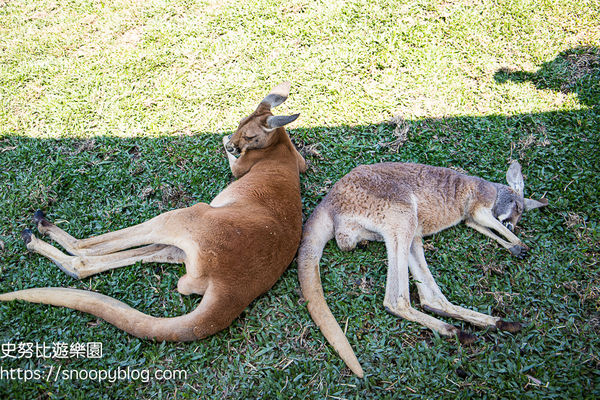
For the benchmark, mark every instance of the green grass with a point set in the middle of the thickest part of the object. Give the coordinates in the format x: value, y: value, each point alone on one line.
x: 112, y: 112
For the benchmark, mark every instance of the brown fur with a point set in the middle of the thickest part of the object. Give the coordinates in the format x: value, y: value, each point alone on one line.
x: 399, y: 204
x: 234, y: 249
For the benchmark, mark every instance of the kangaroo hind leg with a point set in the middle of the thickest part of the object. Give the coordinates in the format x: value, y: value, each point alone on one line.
x: 106, y: 243
x: 397, y: 299
x: 159, y: 229
x: 432, y: 298
x: 80, y: 267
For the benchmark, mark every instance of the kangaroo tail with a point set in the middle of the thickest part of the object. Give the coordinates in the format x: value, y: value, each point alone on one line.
x: 318, y: 230
x: 208, y: 318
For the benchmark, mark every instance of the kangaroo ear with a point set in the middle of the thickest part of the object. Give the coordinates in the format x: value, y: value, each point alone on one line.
x: 531, y: 204
x: 280, y: 120
x: 515, y: 178
x: 278, y: 95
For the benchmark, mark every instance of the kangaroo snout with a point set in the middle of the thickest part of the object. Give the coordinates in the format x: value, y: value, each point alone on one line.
x: 234, y: 150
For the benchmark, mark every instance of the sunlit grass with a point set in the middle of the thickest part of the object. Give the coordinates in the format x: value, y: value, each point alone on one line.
x: 112, y: 112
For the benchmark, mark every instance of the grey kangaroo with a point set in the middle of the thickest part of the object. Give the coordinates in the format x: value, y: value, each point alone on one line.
x: 399, y: 204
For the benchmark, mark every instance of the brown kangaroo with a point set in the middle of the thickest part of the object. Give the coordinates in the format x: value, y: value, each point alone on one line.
x: 399, y: 204
x: 234, y: 248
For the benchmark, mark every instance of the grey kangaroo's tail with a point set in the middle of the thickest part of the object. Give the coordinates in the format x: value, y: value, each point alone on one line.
x: 318, y: 230
x: 209, y: 317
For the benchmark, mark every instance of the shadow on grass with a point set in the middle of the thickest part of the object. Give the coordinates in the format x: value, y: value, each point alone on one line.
x: 105, y: 183
x: 575, y: 70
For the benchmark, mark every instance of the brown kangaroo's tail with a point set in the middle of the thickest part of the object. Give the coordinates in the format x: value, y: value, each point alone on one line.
x: 318, y: 230
x: 211, y: 315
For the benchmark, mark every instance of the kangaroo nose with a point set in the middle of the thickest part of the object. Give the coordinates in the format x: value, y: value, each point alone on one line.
x: 229, y: 148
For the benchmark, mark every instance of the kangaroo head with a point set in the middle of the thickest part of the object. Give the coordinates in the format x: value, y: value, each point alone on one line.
x: 259, y: 129
x: 510, y: 202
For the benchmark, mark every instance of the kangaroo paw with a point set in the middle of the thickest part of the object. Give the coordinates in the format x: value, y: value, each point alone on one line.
x: 518, y: 251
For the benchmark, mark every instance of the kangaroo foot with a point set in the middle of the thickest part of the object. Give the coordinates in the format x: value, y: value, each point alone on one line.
x: 39, y: 219
x: 27, y: 236
x: 512, y: 327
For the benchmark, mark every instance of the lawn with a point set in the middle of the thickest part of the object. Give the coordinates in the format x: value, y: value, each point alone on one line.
x: 112, y: 112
